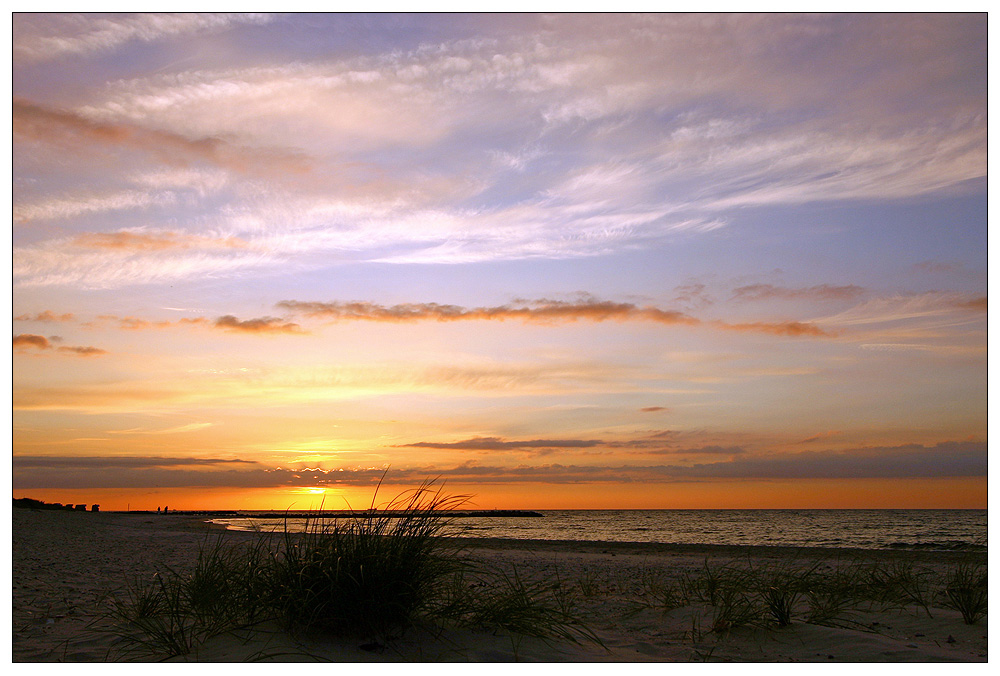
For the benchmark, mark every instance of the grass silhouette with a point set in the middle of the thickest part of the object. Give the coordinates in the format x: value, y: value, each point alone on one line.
x: 369, y: 576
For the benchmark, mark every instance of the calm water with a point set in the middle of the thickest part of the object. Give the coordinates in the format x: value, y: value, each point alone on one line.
x: 864, y: 529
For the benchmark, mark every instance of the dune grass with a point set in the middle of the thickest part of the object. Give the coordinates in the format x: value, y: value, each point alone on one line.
x: 966, y: 592
x: 737, y: 594
x: 369, y: 576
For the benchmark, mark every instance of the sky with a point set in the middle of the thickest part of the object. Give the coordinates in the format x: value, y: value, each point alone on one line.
x: 547, y: 261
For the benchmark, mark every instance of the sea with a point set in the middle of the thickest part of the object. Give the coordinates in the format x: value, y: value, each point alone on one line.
x: 915, y: 529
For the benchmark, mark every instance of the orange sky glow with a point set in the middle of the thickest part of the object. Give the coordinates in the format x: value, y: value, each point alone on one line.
x: 559, y: 261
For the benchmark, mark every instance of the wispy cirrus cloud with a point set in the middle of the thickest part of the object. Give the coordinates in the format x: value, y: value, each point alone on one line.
x: 142, y: 241
x: 70, y: 207
x: 70, y: 130
x: 63, y: 262
x: 899, y: 308
x: 418, y: 146
x: 44, y: 37
x: 819, y: 292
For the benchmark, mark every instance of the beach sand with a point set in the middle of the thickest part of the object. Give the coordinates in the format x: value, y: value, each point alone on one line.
x: 65, y: 564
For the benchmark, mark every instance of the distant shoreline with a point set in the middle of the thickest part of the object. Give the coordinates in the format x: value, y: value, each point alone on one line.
x: 195, y: 521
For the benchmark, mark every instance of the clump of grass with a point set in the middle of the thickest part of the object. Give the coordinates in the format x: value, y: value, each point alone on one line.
x: 966, y: 592
x: 371, y: 575
x: 174, y: 612
x: 368, y: 574
x: 734, y: 608
x: 897, y: 584
x: 492, y: 597
x: 657, y: 590
x: 730, y: 590
x: 834, y: 596
x: 780, y: 588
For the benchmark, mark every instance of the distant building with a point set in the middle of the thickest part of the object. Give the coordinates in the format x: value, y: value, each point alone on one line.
x: 95, y: 508
x: 80, y: 508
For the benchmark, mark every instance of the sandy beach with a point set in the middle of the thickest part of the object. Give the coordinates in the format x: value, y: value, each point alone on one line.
x: 66, y: 564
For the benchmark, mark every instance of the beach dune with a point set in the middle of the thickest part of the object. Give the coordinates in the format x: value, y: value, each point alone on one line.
x: 66, y: 564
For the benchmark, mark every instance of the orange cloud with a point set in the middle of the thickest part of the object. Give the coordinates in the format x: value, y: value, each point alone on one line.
x: 498, y: 444
x: 535, y: 311
x: 777, y: 328
x: 135, y: 241
x: 84, y: 351
x: 542, y: 310
x: 66, y: 128
x: 138, y: 324
x: 26, y: 340
x: 46, y: 316
x: 976, y: 304
x: 31, y: 340
x: 260, y: 325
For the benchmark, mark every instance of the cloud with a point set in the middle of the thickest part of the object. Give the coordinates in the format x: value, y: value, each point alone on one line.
x: 498, y: 444
x: 540, y: 311
x: 946, y: 459
x: 44, y: 37
x: 549, y: 137
x: 83, y: 351
x: 60, y: 263
x: 693, y: 295
x: 259, y: 325
x: 755, y: 292
x: 794, y: 329
x: 71, y: 130
x: 653, y: 409
x: 130, y: 241
x: 118, y: 462
x: 975, y: 304
x: 139, y: 324
x: 31, y: 340
x: 929, y: 307
x: 61, y: 208
x: 45, y: 316
x: 543, y: 311
x: 896, y: 347
x: 703, y: 450
x: 819, y: 437
x: 937, y: 266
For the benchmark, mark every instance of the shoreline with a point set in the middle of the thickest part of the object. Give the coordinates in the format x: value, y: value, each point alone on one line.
x: 196, y: 520
x: 66, y: 563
